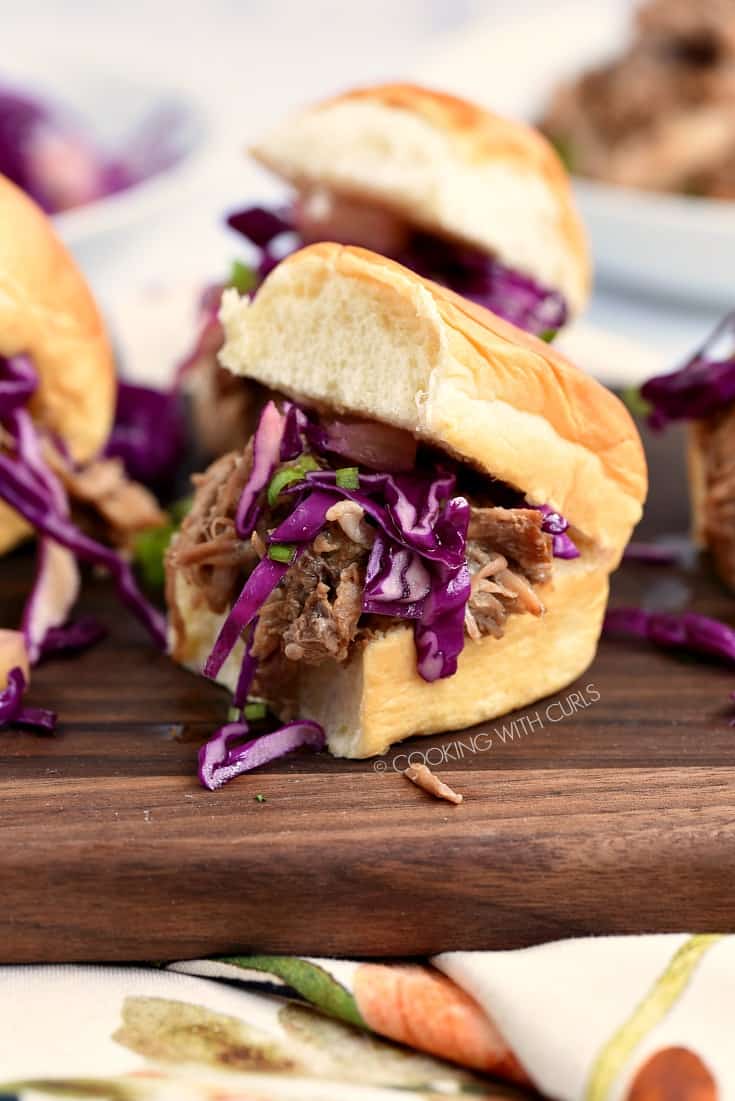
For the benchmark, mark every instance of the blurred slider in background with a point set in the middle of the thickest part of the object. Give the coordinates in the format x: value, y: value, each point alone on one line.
x: 457, y: 194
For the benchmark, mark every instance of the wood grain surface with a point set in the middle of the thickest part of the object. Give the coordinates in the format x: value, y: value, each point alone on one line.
x: 589, y: 815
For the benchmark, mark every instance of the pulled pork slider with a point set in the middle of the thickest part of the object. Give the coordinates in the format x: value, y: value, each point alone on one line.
x: 57, y: 404
x: 419, y: 535
x: 473, y: 201
x: 701, y: 392
x: 458, y: 194
x: 47, y: 313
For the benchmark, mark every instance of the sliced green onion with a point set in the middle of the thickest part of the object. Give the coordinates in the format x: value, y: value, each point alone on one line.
x: 285, y: 475
x: 259, y: 798
x: 282, y: 552
x: 548, y: 335
x: 255, y: 711
x: 635, y: 402
x: 150, y: 546
x: 348, y: 477
x: 242, y: 277
x: 234, y: 715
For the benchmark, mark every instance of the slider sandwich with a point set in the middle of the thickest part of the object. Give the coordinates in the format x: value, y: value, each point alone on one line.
x: 57, y: 403
x: 473, y: 201
x: 419, y: 534
x: 702, y: 394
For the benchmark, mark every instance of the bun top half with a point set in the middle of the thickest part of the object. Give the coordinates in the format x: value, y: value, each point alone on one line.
x: 47, y: 312
x: 448, y: 167
x: 343, y: 327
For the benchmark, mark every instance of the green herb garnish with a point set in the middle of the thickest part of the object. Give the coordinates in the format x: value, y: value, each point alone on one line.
x: 242, y: 277
x: 282, y: 552
x: 150, y: 546
x: 635, y: 402
x: 260, y: 798
x: 348, y: 477
x: 285, y: 475
x: 254, y: 711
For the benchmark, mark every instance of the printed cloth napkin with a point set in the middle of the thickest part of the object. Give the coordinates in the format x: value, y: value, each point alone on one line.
x: 644, y: 1018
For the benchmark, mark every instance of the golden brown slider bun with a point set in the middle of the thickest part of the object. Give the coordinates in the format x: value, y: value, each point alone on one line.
x: 448, y: 167
x: 48, y: 313
x: 343, y: 327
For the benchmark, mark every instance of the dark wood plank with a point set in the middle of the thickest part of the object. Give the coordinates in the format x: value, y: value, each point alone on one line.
x: 580, y: 815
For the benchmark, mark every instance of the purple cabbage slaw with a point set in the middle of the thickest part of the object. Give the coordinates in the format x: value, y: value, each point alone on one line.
x: 687, y: 631
x: 417, y: 569
x: 221, y: 760
x: 14, y: 713
x: 28, y: 485
x: 38, y: 144
x: 148, y: 434
x: 514, y: 296
x: 704, y: 385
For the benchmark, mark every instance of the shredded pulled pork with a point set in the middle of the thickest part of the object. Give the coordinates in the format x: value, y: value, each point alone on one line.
x: 424, y: 778
x: 126, y: 506
x: 315, y: 614
x: 208, y: 549
x: 517, y: 534
x: 102, y: 485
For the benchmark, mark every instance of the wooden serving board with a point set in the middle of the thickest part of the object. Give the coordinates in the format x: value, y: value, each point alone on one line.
x: 613, y: 813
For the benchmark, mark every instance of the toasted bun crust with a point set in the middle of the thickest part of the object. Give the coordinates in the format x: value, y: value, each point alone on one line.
x: 445, y: 165
x: 342, y: 326
x: 377, y: 698
x: 47, y: 311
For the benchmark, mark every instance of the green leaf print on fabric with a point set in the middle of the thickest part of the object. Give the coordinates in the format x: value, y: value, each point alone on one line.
x: 311, y: 981
x: 178, y: 1032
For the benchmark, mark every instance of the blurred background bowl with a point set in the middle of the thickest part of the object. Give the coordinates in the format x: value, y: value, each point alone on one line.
x: 666, y: 244
x: 125, y: 113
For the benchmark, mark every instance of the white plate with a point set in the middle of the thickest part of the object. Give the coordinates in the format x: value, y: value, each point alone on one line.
x: 664, y: 243
x: 116, y: 106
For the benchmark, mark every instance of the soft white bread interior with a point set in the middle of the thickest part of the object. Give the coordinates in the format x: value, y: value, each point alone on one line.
x: 48, y: 313
x: 345, y: 328
x: 447, y: 166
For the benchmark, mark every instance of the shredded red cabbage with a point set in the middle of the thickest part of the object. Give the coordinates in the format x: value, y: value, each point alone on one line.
x: 396, y: 581
x: 511, y: 295
x: 148, y: 434
x: 48, y: 155
x: 475, y: 275
x: 221, y: 760
x: 689, y: 631
x: 702, y: 386
x: 72, y: 637
x: 12, y: 711
x: 417, y: 569
x: 266, y: 453
x: 652, y: 554
x: 303, y: 525
x: 29, y: 486
x: 258, y: 587
x: 556, y: 526
x: 248, y: 669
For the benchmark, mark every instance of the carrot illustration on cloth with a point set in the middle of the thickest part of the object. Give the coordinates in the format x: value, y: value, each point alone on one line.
x: 412, y: 1004
x: 419, y: 1007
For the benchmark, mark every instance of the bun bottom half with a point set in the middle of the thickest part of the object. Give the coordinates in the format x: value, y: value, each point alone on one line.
x: 377, y: 698
x: 13, y: 528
